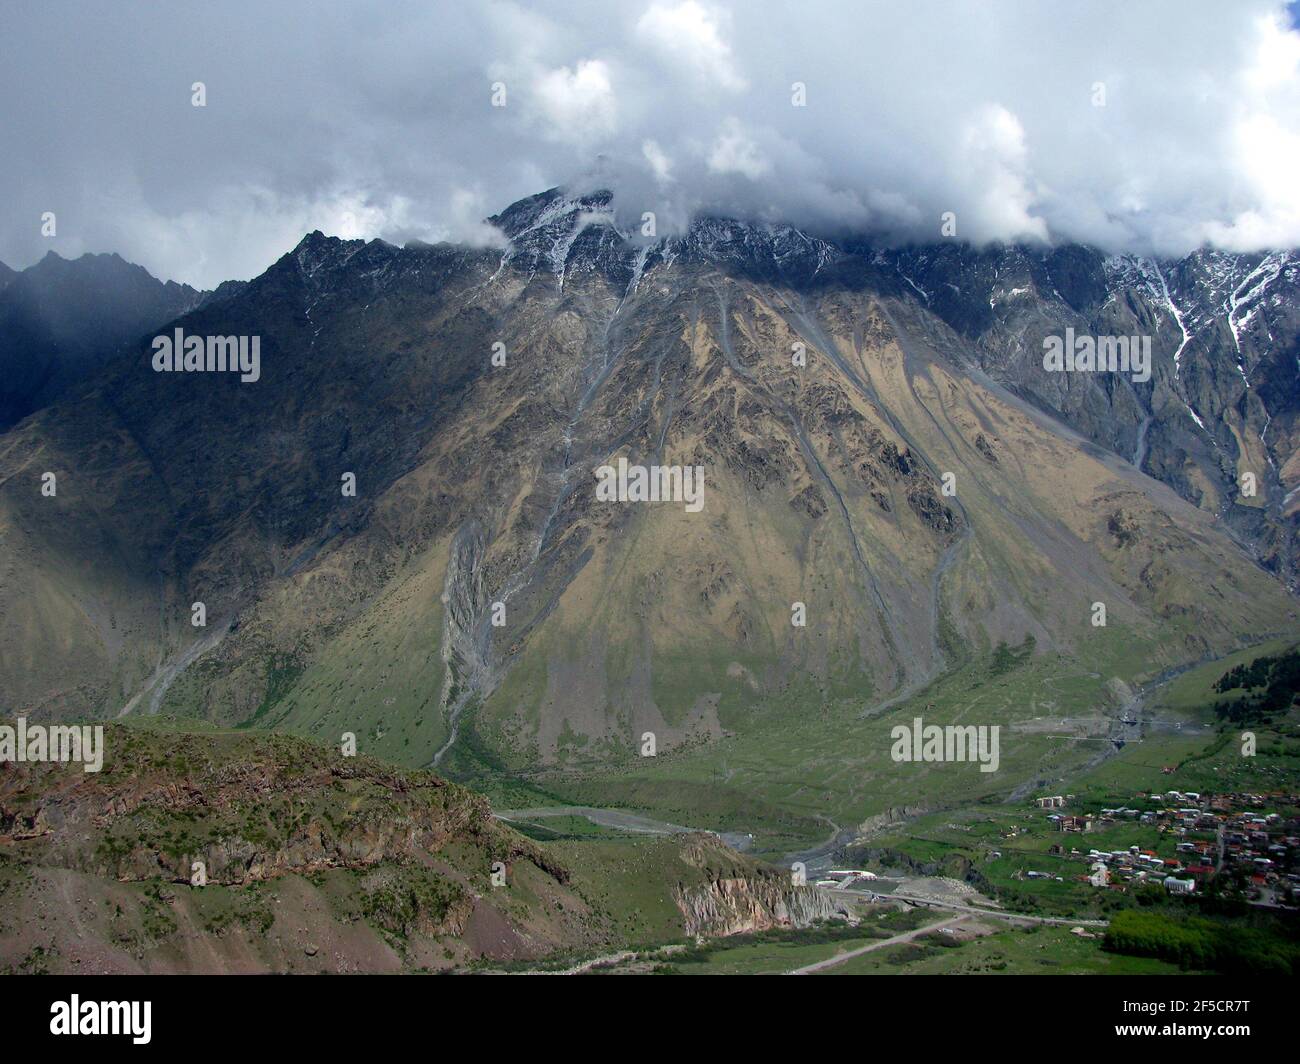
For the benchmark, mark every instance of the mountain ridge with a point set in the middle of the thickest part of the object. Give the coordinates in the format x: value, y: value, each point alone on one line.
x: 374, y: 613
x: 62, y: 319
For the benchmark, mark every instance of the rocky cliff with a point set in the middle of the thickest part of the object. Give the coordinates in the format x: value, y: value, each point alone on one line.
x: 740, y: 897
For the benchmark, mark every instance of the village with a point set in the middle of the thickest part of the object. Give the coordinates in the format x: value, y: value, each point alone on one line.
x: 1228, y: 844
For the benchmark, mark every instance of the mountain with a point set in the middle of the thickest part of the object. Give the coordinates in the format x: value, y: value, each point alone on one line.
x: 61, y: 319
x: 1225, y: 334
x: 476, y: 606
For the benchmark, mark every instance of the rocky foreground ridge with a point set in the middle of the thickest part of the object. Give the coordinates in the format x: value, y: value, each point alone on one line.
x: 221, y: 852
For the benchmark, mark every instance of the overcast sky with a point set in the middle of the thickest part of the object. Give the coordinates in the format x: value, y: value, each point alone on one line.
x: 376, y: 119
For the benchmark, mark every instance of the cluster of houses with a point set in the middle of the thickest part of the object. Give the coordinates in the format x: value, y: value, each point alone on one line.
x: 1234, y: 836
x: 1066, y: 821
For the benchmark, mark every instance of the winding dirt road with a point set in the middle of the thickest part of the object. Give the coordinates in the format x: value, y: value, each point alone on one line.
x: 906, y: 936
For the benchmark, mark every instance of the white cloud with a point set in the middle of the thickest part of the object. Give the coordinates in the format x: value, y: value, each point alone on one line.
x: 996, y: 158
x: 913, y: 109
x: 1277, y: 56
x: 660, y: 165
x: 734, y: 152
x: 578, y: 105
x: 689, y: 35
x: 1269, y: 161
x: 1265, y: 144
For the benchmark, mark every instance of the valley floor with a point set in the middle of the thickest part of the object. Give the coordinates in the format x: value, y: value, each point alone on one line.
x: 326, y: 864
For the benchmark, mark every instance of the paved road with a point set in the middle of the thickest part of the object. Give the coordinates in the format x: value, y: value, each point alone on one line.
x: 906, y: 936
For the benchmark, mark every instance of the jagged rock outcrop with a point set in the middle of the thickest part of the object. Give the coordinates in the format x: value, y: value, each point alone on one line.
x: 737, y: 895
x: 891, y: 816
x: 741, y: 905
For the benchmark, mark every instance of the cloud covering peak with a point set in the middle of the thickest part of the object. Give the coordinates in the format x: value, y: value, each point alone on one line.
x: 1153, y: 127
